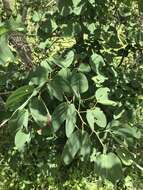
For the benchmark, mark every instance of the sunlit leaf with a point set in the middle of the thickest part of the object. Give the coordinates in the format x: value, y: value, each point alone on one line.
x: 102, y: 97
x: 21, y: 139
x: 65, y: 62
x: 96, y: 116
x: 109, y: 167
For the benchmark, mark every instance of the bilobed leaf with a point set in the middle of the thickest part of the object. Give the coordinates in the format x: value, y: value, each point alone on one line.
x: 71, y: 147
x: 18, y: 97
x: 79, y: 83
x: 65, y: 62
x: 109, y: 167
x: 39, y: 111
x: 21, y: 139
x: 70, y: 120
x: 96, y: 116
x: 59, y: 116
x: 102, y: 97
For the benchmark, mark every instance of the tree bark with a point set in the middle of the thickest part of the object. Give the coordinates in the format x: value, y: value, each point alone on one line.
x: 8, y: 6
x: 18, y: 39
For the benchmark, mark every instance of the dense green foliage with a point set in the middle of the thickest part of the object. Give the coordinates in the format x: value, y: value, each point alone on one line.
x: 77, y: 104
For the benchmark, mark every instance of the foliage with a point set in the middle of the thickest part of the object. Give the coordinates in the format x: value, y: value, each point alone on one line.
x: 84, y: 96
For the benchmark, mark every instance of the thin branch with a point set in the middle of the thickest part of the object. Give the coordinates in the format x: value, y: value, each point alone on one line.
x: 50, y: 3
x: 99, y: 139
x: 5, y: 93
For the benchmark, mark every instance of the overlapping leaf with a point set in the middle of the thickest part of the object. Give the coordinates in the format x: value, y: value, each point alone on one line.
x: 70, y: 120
x: 102, y: 97
x: 96, y: 116
x: 109, y: 167
x: 59, y: 116
x: 18, y: 97
x: 39, y: 111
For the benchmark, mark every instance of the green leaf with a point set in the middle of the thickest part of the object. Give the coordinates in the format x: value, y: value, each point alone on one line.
x: 65, y: 62
x: 39, y: 111
x: 102, y: 97
x: 96, y: 116
x: 60, y: 84
x: 18, y: 97
x: 92, y: 1
x: 3, y: 29
x: 41, y: 75
x: 109, y: 167
x: 55, y: 88
x: 71, y: 147
x: 99, y: 117
x: 127, y: 132
x: 21, y: 139
x: 125, y: 156
x: 85, y: 149
x: 19, y: 120
x: 70, y: 120
x: 90, y: 119
x: 47, y: 27
x: 99, y: 79
x: 65, y: 7
x: 15, y: 24
x: 91, y: 27
x: 78, y: 142
x: 78, y: 5
x: 84, y: 68
x: 79, y: 83
x: 59, y: 116
x: 64, y: 76
x: 76, y: 2
x: 22, y: 119
x: 97, y: 63
x: 5, y: 52
x: 36, y: 16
